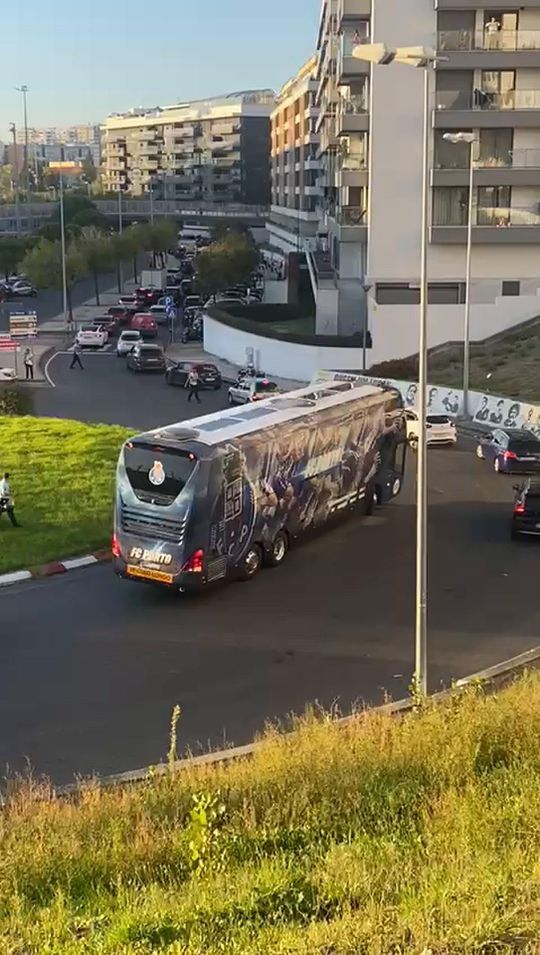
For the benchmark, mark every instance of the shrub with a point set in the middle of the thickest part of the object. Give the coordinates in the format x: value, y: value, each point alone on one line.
x: 243, y: 323
x: 399, y: 368
x: 15, y: 401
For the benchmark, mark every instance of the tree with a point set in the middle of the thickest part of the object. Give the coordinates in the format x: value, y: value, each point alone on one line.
x: 6, y: 183
x: 226, y: 263
x: 134, y: 239
x: 212, y: 271
x: 43, y: 266
x: 11, y: 253
x: 79, y: 212
x: 163, y: 235
x: 97, y: 250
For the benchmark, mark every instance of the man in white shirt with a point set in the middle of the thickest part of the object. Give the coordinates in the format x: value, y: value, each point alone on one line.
x: 6, y: 500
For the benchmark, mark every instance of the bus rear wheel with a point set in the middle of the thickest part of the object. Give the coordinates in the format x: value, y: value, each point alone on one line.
x: 278, y: 551
x: 251, y: 563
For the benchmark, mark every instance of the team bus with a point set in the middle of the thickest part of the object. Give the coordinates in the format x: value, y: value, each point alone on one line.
x: 224, y: 494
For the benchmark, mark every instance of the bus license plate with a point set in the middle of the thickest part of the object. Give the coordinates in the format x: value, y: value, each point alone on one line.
x: 156, y: 575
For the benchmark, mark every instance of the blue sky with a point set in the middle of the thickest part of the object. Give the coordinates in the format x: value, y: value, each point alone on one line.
x: 84, y: 60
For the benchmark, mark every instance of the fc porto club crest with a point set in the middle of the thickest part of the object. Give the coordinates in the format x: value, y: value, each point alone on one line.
x: 156, y: 474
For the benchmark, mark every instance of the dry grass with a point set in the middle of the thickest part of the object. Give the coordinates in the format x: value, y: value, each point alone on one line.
x: 386, y: 837
x: 512, y: 360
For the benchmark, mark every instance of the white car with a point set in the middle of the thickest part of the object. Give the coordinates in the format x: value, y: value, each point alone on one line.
x: 225, y: 300
x: 92, y: 336
x: 127, y: 341
x: 252, y: 389
x: 22, y: 289
x: 440, y: 429
x: 8, y: 374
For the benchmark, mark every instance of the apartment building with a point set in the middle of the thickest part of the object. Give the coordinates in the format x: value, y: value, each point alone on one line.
x: 295, y: 167
x: 214, y: 150
x: 486, y: 82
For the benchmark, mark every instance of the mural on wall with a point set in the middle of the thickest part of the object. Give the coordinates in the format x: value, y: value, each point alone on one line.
x: 491, y: 410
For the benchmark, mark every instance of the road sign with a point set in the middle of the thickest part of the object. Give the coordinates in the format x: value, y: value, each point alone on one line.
x: 23, y: 324
x: 171, y: 311
x: 168, y: 300
x: 7, y: 344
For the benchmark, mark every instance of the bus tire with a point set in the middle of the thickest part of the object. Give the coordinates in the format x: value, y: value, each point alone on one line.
x: 278, y: 550
x: 370, y: 500
x: 252, y: 562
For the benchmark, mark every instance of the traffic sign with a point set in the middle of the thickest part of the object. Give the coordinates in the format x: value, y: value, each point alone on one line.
x: 23, y: 324
x: 7, y: 344
x: 168, y: 300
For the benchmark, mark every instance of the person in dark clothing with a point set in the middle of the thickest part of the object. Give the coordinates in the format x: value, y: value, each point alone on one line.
x: 76, y: 359
x: 192, y: 384
x: 29, y: 364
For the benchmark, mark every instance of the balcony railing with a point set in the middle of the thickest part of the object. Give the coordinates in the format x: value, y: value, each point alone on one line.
x: 513, y: 159
x: 484, y: 100
x: 352, y: 215
x: 456, y: 40
x: 354, y: 162
x: 499, y: 217
x: 355, y: 105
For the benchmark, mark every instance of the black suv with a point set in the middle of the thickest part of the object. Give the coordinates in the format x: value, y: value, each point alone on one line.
x: 526, y: 517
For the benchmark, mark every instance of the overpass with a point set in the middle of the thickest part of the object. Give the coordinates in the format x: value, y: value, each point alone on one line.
x: 34, y: 215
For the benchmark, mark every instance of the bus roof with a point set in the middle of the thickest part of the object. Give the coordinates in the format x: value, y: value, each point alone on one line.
x: 213, y: 429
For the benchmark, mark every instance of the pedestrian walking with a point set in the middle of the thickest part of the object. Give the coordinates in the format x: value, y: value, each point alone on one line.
x: 29, y: 364
x: 76, y: 357
x: 192, y: 384
x: 6, y: 501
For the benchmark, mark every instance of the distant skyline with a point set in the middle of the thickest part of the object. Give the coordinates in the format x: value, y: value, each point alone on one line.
x: 82, y: 63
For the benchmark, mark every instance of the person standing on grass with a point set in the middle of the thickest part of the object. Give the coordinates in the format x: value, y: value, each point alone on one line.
x: 76, y: 359
x: 6, y: 500
x: 192, y: 384
x: 29, y: 364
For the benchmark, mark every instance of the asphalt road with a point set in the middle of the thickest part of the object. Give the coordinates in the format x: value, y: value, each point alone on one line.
x: 107, y: 392
x: 48, y: 302
x: 91, y: 666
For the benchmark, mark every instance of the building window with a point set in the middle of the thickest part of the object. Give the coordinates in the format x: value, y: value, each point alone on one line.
x: 511, y: 288
x: 396, y: 293
x: 496, y: 147
x: 450, y: 205
x: 494, y: 204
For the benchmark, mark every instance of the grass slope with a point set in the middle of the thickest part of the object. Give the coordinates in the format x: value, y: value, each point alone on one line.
x: 62, y: 482
x: 512, y: 359
x: 388, y: 836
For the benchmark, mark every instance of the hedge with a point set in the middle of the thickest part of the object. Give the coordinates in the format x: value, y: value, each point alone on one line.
x: 234, y: 317
x: 14, y: 401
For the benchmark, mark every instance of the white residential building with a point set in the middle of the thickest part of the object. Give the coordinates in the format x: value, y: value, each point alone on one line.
x: 370, y: 125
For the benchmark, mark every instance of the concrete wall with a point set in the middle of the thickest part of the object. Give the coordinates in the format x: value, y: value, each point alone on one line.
x: 283, y: 359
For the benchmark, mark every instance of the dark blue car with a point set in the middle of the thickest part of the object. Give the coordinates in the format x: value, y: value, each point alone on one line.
x: 510, y: 451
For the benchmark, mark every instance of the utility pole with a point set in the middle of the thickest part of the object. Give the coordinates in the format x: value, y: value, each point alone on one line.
x: 63, y: 246
x: 13, y: 130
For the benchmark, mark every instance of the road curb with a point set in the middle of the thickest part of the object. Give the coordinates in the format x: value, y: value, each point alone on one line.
x: 54, y: 567
x: 489, y: 676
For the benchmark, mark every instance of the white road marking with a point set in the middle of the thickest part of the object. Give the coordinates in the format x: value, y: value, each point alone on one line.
x: 46, y: 369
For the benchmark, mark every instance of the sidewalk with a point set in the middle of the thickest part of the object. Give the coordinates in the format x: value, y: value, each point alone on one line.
x: 194, y: 351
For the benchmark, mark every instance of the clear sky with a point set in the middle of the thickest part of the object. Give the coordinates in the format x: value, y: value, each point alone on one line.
x: 83, y: 60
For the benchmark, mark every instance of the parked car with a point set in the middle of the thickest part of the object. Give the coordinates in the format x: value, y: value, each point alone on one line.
x: 209, y: 375
x: 21, y: 289
x: 222, y: 300
x: 159, y: 312
x: 92, y: 336
x: 8, y: 374
x: 124, y: 313
x: 148, y: 295
x: 510, y: 451
x: 252, y: 389
x: 128, y: 300
x: 440, y: 429
x: 144, y: 323
x: 128, y: 339
x: 143, y: 357
x: 526, y: 516
x: 193, y: 301
x: 186, y: 286
x: 109, y: 323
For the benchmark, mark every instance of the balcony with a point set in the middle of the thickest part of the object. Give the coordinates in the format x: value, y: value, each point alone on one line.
x: 352, y: 9
x: 496, y: 225
x: 518, y: 167
x: 348, y: 67
x: 480, y: 49
x: 458, y: 109
x: 353, y: 115
x: 348, y: 223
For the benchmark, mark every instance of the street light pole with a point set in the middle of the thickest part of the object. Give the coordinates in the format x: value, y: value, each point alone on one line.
x: 469, y: 138
x: 151, y: 188
x: 24, y: 91
x: 423, y: 58
x: 366, y: 288
x: 13, y: 130
x: 120, y: 231
x: 63, y: 247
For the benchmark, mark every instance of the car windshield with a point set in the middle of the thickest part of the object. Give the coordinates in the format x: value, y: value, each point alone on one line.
x: 206, y: 369
x: 521, y: 446
x: 438, y: 419
x: 130, y: 336
x: 150, y: 350
x: 265, y: 386
x: 157, y: 472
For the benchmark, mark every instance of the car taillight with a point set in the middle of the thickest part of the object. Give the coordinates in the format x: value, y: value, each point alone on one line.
x: 510, y: 456
x: 115, y: 547
x: 519, y: 509
x: 195, y: 563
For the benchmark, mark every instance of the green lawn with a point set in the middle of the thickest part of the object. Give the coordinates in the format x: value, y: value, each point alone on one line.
x: 62, y: 476
x: 388, y: 837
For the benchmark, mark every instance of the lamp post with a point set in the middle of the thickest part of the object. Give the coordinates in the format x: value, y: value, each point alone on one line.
x: 471, y: 139
x: 366, y: 287
x: 13, y: 131
x: 420, y: 58
x: 24, y: 91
